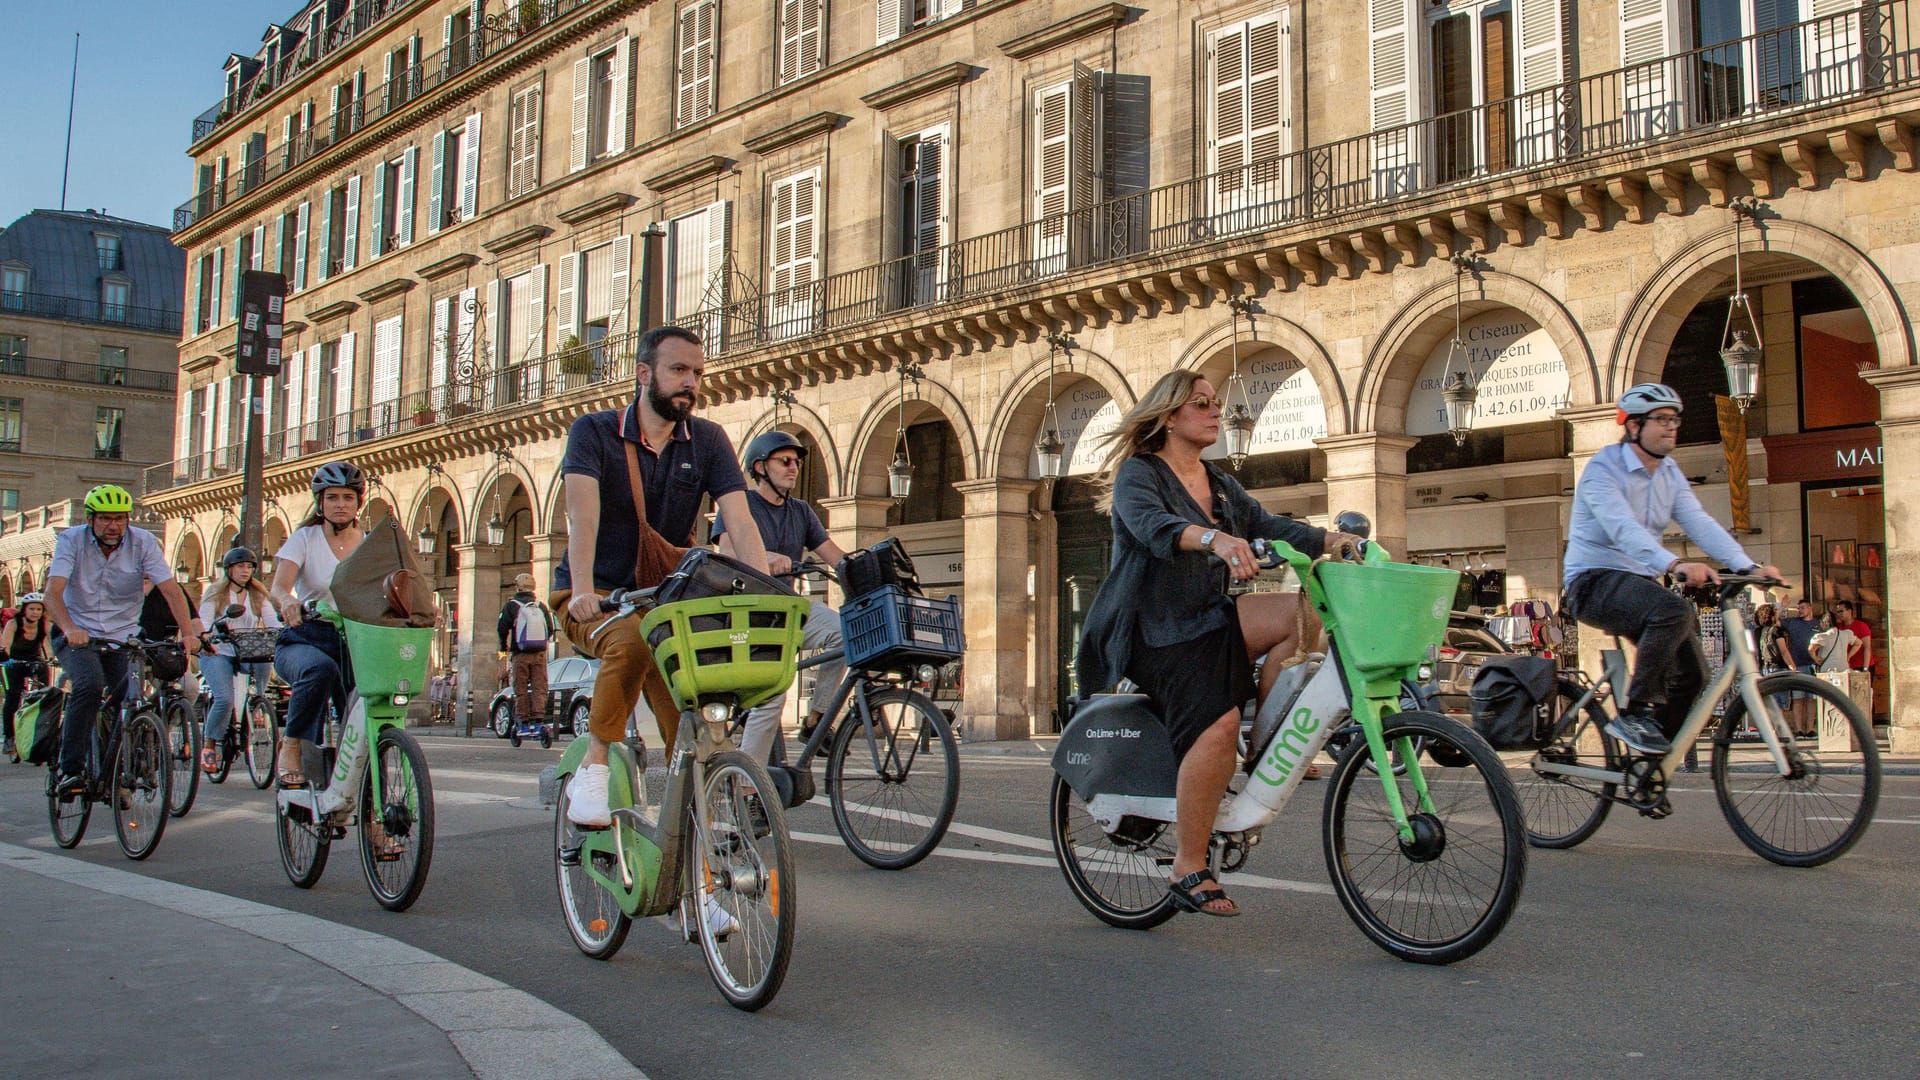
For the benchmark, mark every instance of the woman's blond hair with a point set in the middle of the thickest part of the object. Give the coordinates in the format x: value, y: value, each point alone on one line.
x: 1144, y: 427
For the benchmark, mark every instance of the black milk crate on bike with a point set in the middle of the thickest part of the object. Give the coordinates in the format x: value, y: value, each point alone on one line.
x: 253, y: 646
x: 891, y: 627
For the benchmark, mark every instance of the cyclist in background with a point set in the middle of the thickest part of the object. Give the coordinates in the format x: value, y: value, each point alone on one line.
x: 1627, y: 496
x: 23, y: 641
x: 310, y: 654
x: 95, y: 590
x: 789, y: 528
x: 237, y: 585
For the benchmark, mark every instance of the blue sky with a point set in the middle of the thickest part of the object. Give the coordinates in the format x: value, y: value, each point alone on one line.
x: 146, y: 71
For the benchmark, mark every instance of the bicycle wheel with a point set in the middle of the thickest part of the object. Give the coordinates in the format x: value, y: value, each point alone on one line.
x: 303, y: 842
x: 1446, y: 894
x: 1824, y: 804
x: 594, y: 918
x: 261, y: 741
x: 1562, y: 811
x: 894, y: 815
x: 67, y: 814
x: 1121, y: 877
x: 740, y: 881
x: 183, y: 758
x: 396, y: 829
x: 141, y: 783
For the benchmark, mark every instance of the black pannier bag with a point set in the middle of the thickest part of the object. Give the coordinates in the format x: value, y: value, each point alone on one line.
x: 885, y: 563
x: 1513, y: 698
x: 703, y: 572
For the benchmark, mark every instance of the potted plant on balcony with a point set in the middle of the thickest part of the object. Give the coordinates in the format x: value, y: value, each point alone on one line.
x: 529, y: 15
x: 575, y: 360
x: 422, y: 413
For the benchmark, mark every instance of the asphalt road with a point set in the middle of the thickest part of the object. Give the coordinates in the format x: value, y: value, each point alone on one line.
x: 1656, y: 948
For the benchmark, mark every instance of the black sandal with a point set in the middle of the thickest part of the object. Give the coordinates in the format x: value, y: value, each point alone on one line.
x: 1195, y: 902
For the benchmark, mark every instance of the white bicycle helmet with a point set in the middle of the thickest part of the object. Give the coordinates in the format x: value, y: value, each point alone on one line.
x: 1644, y: 398
x: 32, y: 598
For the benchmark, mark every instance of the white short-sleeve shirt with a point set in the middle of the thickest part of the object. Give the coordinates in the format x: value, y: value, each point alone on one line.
x: 308, y: 549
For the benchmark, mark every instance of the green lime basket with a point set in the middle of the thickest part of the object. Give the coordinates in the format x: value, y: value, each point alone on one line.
x: 743, y: 646
x: 388, y: 659
x: 1398, y: 612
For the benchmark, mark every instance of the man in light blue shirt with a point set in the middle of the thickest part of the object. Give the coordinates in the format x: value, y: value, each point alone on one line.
x: 1628, y: 495
x: 95, y: 588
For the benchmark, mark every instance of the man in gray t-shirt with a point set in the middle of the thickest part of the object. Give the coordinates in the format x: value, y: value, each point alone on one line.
x: 789, y: 528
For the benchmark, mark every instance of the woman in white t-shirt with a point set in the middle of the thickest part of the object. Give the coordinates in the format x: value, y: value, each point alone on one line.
x: 238, y: 585
x: 310, y: 654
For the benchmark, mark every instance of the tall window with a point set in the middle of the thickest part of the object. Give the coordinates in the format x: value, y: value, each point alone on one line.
x: 696, y: 53
x: 1746, y: 65
x: 1472, y: 65
x: 336, y: 234
x: 113, y: 365
x: 802, y: 40
x: 13, y: 288
x: 453, y: 181
x: 600, y: 108
x: 602, y: 82
x: 9, y: 500
x: 205, y: 291
x: 106, y: 432
x: 106, y: 250
x: 393, y: 203
x: 523, y: 142
x: 10, y: 414
x: 113, y: 300
x: 920, y: 214
x: 895, y: 17
x: 12, y: 346
x: 289, y: 245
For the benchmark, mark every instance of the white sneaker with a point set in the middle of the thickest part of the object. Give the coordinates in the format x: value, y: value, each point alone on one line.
x: 720, y: 921
x: 587, y: 798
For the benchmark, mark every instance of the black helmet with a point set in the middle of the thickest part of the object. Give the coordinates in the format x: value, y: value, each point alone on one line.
x: 1353, y: 523
x: 167, y: 661
x: 235, y: 556
x: 339, y: 474
x: 765, y: 445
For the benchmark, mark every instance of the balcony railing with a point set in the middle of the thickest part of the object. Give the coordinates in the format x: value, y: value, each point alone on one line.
x: 90, y: 310
x: 1818, y: 62
x: 37, y: 367
x: 499, y: 32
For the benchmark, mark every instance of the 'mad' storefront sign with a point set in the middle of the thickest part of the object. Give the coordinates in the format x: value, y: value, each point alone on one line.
x: 1811, y: 457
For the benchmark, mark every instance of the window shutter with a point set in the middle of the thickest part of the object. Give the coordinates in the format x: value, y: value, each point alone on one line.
x: 1833, y: 53
x: 409, y: 173
x: 800, y: 53
x: 796, y: 251
x: 327, y: 210
x: 209, y: 423
x: 269, y: 389
x: 950, y: 8
x: 282, y: 245
x: 694, y: 99
x: 219, y: 261
x: 524, y: 149
x: 1542, y: 68
x: 389, y: 93
x: 350, y: 247
x: 437, y: 362
x: 295, y: 378
x: 1052, y: 154
x: 536, y: 341
x: 222, y: 415
x: 460, y: 369
x: 933, y: 225
x: 235, y: 282
x: 303, y: 407
x: 195, y: 289
x: 1392, y: 59
x: 300, y: 247
x: 889, y: 20
x: 258, y: 258
x: 567, y: 297
x: 470, y: 169
x: 385, y: 391
x: 619, y: 285
x: 446, y: 34
x: 437, y: 183
x: 378, y: 242
x: 582, y: 86
x: 498, y: 356
x: 1649, y: 30
x: 343, y: 384
x: 622, y: 106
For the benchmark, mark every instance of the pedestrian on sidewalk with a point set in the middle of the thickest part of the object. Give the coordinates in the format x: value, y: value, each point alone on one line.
x: 526, y: 631
x: 1796, y: 633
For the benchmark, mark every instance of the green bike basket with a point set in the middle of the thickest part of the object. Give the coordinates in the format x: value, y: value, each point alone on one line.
x: 388, y: 659
x: 742, y: 645
x: 1397, y: 611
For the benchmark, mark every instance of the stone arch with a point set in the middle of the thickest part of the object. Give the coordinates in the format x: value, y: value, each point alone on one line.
x: 1015, y: 424
x: 377, y: 507
x: 804, y: 420
x: 483, y: 499
x: 191, y: 552
x: 1654, y: 317
x: 424, y: 499
x: 873, y: 439
x: 1425, y: 321
x: 1280, y: 333
x: 554, y: 502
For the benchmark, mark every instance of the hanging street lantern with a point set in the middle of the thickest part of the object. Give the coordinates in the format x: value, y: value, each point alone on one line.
x: 900, y: 473
x: 1458, y: 394
x: 424, y: 542
x: 1741, y: 356
x: 496, y: 530
x: 1051, y: 448
x: 1239, y: 409
x: 1458, y: 397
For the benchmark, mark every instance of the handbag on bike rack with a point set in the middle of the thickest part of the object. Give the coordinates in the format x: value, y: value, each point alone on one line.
x: 703, y: 572
x: 1512, y: 700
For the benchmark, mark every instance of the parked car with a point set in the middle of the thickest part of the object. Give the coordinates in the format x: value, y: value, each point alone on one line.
x: 569, y: 693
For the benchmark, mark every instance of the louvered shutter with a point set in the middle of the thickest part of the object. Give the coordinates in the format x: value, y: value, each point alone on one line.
x: 220, y: 409
x: 619, y: 285
x: 1651, y: 83
x: 350, y: 247
x: 343, y: 386
x: 933, y: 228
x: 714, y: 283
x: 796, y: 252
x: 470, y: 169
x: 219, y: 263
x: 1392, y: 61
x: 536, y: 340
x: 567, y: 297
x: 622, y: 97
x: 800, y: 53
x: 950, y: 8
x: 327, y: 210
x: 239, y: 266
x: 442, y: 349
x: 461, y: 370
x: 409, y: 175
x: 693, y: 97
x: 1833, y: 55
x: 294, y: 385
x: 889, y: 20
x: 259, y: 254
x: 390, y: 93
x: 1052, y: 175
x: 378, y: 242
x: 282, y: 245
x: 303, y: 400
x: 526, y: 141
x: 582, y: 88
x: 209, y: 426
x: 1542, y: 69
x: 500, y: 357
x: 437, y: 184
x: 300, y: 247
x: 384, y: 394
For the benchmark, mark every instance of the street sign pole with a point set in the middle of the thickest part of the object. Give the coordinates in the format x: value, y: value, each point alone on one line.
x: 263, y: 303
x: 252, y: 499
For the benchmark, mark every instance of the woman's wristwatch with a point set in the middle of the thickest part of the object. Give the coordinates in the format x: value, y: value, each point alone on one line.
x: 1206, y: 539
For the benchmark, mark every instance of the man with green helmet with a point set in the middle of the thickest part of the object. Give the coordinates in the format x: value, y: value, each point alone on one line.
x: 94, y: 590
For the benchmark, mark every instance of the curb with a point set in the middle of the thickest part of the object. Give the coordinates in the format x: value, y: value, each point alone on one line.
x: 499, y: 1031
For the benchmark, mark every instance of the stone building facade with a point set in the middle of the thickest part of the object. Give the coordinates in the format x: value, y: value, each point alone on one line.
x: 1015, y: 201
x: 89, y: 333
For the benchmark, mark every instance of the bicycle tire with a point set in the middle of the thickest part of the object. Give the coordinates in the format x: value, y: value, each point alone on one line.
x: 183, y: 758
x: 893, y: 817
x: 304, y: 843
x: 67, y: 815
x: 1387, y: 887
x: 745, y: 873
x: 594, y: 918
x: 261, y: 742
x: 142, y: 783
x: 1815, y: 793
x: 1122, y: 881
x: 398, y: 774
x: 1562, y: 812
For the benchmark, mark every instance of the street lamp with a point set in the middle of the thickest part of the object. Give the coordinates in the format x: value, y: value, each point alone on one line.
x: 1741, y: 356
x: 1239, y: 419
x: 181, y: 574
x: 900, y: 471
x: 496, y: 528
x: 424, y: 542
x: 1051, y: 447
x: 1458, y: 395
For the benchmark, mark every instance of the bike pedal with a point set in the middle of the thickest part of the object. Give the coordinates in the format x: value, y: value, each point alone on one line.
x: 570, y: 856
x: 1663, y: 809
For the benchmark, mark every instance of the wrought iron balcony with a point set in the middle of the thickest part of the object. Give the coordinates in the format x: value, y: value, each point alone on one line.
x: 164, y: 320
x: 36, y: 367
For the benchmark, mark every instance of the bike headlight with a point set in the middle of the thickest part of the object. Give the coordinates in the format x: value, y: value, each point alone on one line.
x: 1425, y: 672
x: 927, y: 673
x: 716, y: 712
x: 401, y: 699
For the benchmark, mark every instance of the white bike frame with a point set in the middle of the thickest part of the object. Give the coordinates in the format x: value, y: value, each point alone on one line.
x: 341, y: 796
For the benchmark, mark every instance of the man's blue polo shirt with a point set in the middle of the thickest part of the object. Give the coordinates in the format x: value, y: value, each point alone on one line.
x: 697, y: 462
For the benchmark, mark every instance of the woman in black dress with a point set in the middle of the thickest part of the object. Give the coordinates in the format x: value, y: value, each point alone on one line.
x: 23, y: 642
x: 1162, y: 617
